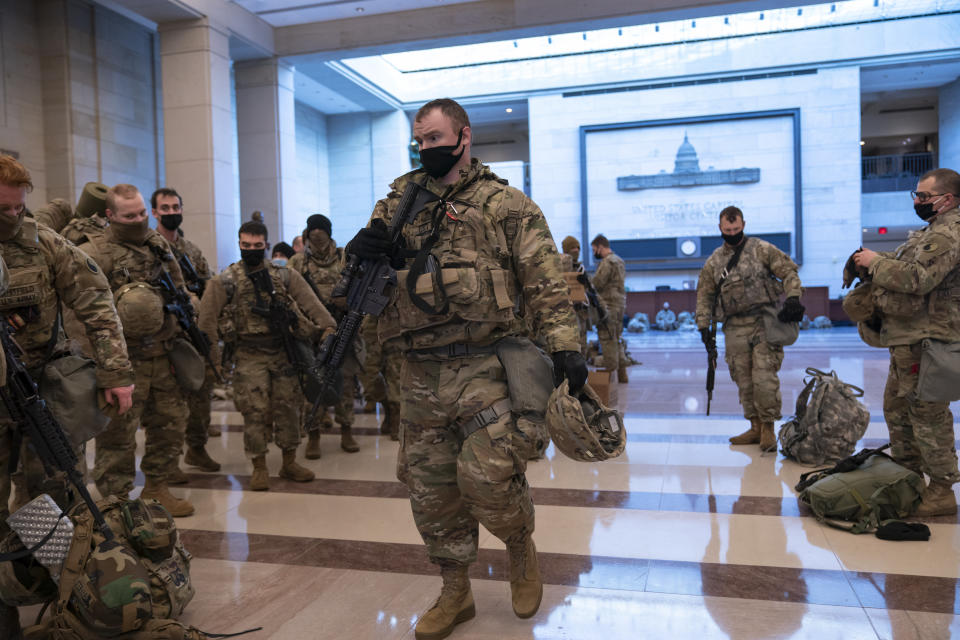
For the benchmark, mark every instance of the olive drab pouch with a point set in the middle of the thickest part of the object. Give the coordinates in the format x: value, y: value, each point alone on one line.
x: 68, y: 385
x: 529, y: 382
x: 779, y: 333
x: 939, y: 377
x: 189, y: 368
x: 829, y: 420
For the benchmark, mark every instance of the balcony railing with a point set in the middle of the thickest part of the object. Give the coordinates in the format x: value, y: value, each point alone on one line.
x: 893, y: 173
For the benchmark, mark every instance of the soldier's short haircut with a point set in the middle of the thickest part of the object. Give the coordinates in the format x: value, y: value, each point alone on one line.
x: 449, y: 108
x: 14, y: 174
x: 600, y: 241
x: 122, y: 190
x: 947, y: 180
x: 164, y: 191
x: 253, y: 228
x: 731, y: 214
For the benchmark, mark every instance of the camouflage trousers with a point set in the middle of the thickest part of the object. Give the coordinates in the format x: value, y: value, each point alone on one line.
x: 609, y: 334
x: 753, y: 365
x: 160, y: 407
x: 457, y: 484
x: 371, y: 378
x: 921, y: 433
x: 267, y: 394
x: 343, y: 411
x: 583, y: 324
x: 198, y: 403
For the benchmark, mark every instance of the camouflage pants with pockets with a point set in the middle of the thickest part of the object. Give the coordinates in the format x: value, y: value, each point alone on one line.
x: 343, y: 411
x: 454, y: 484
x: 609, y: 334
x: 198, y: 403
x: 921, y: 433
x: 159, y: 405
x: 753, y: 365
x: 267, y: 394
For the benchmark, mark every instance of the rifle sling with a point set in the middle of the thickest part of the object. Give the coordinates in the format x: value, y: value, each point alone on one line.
x: 731, y: 265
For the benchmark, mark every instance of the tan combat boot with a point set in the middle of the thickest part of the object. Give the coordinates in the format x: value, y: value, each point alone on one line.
x: 622, y: 375
x: 750, y: 436
x: 526, y: 586
x: 292, y: 470
x: 198, y: 457
x: 369, y: 406
x: 157, y: 490
x: 313, y: 445
x: 768, y: 437
x: 347, y: 443
x: 177, y: 476
x: 455, y: 605
x: 938, y: 500
x: 260, y: 480
x: 393, y: 415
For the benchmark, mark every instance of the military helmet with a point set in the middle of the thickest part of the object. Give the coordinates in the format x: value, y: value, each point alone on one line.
x: 870, y: 334
x: 582, y: 427
x: 858, y: 303
x: 140, y: 308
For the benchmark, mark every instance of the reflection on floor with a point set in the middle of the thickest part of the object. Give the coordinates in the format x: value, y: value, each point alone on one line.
x: 684, y: 536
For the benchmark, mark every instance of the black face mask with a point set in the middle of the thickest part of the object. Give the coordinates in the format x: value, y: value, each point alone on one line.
x: 171, y: 221
x: 252, y: 257
x: 437, y: 161
x: 732, y: 239
x: 924, y: 211
x: 597, y: 256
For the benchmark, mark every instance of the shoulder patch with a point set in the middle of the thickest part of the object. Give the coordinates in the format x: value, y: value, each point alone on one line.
x: 92, y: 266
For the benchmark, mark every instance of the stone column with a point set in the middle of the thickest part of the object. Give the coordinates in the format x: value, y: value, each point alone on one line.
x: 268, y: 146
x: 198, y: 133
x: 949, y: 135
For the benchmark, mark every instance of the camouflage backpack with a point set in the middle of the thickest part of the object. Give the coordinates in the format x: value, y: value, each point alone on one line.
x: 131, y: 588
x: 828, y: 423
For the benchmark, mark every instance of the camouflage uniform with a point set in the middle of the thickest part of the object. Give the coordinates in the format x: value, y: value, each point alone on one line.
x: 80, y: 230
x: 198, y: 402
x: 371, y: 377
x: 758, y: 280
x: 45, y: 271
x: 917, y: 291
x: 582, y: 310
x: 493, y: 245
x: 266, y: 389
x: 608, y: 281
x: 321, y: 269
x: 158, y: 401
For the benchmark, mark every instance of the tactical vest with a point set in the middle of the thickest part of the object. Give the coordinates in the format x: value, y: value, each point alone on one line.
x: 475, y: 269
x: 749, y: 286
x: 322, y: 275
x: 80, y: 230
x: 31, y: 293
x: 237, y: 321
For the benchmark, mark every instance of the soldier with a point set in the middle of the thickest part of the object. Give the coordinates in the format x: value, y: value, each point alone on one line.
x: 571, y: 263
x: 462, y: 452
x: 320, y: 264
x: 132, y: 256
x: 167, y: 206
x: 609, y: 282
x: 666, y: 319
x: 265, y: 382
x: 915, y: 290
x: 738, y: 289
x: 44, y: 271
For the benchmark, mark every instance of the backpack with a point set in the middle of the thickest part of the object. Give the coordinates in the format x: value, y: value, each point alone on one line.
x: 829, y: 420
x: 866, y: 490
x: 130, y: 588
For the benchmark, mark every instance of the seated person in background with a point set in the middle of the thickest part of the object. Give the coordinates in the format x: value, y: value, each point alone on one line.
x: 666, y: 318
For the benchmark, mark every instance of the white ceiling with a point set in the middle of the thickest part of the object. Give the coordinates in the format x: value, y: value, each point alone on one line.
x: 283, y: 13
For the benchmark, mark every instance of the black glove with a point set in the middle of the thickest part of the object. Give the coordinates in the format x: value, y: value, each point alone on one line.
x: 371, y: 243
x: 572, y: 366
x: 851, y: 271
x: 708, y: 339
x: 792, y: 310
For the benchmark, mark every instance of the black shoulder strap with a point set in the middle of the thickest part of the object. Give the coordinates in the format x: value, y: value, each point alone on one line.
x: 731, y: 265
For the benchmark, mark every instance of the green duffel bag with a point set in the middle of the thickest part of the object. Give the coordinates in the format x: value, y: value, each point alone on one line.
x: 858, y: 500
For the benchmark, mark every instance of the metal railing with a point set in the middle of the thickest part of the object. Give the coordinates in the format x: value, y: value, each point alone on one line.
x: 893, y: 173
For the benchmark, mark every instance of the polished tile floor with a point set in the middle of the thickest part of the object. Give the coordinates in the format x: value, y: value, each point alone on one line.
x: 684, y: 536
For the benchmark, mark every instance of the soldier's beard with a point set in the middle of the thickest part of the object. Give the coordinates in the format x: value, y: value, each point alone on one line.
x: 10, y: 226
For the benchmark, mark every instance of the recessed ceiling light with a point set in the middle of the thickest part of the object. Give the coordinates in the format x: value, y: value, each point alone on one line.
x: 509, y: 110
x: 862, y: 143
x: 359, y: 9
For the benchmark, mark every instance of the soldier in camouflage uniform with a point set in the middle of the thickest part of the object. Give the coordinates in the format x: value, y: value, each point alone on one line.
x: 462, y: 452
x: 609, y: 282
x: 916, y: 290
x: 760, y: 277
x: 571, y: 262
x: 45, y: 271
x: 381, y: 376
x: 167, y: 206
x: 320, y: 264
x: 266, y: 389
x: 132, y: 256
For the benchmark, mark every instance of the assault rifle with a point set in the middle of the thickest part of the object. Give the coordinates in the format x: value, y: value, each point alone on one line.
x: 195, y: 284
x: 176, y: 302
x: 711, y: 361
x: 593, y: 297
x: 367, y: 285
x: 35, y: 421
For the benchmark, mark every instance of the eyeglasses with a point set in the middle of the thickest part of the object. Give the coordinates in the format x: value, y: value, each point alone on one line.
x: 923, y: 196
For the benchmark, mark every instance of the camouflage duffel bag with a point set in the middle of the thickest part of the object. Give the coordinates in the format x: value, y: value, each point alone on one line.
x: 829, y: 420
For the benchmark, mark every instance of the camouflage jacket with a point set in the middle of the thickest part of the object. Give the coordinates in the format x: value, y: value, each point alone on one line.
x: 321, y: 270
x: 917, y: 287
x: 226, y: 310
x: 493, y: 247
x: 182, y: 246
x: 609, y: 282
x: 55, y: 214
x: 46, y: 270
x: 762, y: 274
x: 80, y: 230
